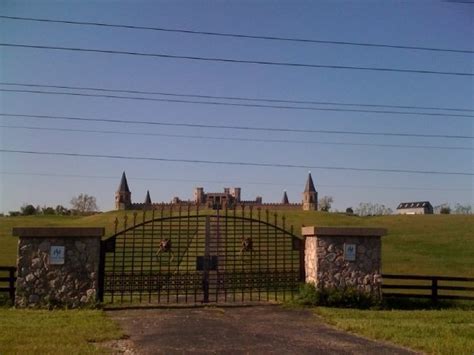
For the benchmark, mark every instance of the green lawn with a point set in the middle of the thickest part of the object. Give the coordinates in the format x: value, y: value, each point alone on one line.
x: 423, y: 244
x: 54, y: 332
x: 432, y: 331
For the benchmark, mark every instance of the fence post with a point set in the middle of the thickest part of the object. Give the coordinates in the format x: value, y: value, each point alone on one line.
x: 101, y: 276
x: 434, y: 289
x: 12, y: 283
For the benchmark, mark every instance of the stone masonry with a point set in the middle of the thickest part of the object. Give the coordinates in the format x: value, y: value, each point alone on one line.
x: 75, y: 283
x: 329, y: 265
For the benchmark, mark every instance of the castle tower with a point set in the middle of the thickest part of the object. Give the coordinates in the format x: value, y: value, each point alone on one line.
x: 285, y: 200
x: 236, y: 191
x: 310, y: 196
x: 123, y: 196
x: 147, y: 198
x: 199, y: 195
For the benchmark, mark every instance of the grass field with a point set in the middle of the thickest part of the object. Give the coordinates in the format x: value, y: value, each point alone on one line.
x: 423, y: 244
x: 447, y: 331
x: 430, y: 244
x: 54, y: 332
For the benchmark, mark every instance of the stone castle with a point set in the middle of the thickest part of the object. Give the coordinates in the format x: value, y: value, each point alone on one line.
x: 229, y: 198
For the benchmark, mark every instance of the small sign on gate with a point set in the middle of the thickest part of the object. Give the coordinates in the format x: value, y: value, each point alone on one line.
x: 56, y: 255
x: 210, y: 263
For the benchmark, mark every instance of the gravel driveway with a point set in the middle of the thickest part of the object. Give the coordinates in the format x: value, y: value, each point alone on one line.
x: 268, y: 329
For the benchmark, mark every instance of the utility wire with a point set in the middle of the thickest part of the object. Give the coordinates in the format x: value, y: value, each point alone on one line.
x: 232, y: 60
x: 459, y: 2
x: 245, y: 128
x: 236, y: 182
x: 235, y: 163
x: 239, y: 139
x: 239, y: 35
x: 217, y: 103
x: 236, y: 98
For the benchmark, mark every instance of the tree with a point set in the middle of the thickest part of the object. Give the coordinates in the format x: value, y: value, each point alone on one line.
x: 325, y: 203
x: 462, y: 209
x: 28, y: 210
x: 445, y: 210
x: 372, y: 209
x: 349, y: 210
x: 62, y: 211
x: 84, y: 203
x: 48, y: 210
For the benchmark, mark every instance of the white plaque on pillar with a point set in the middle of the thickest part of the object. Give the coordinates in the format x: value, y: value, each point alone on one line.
x: 350, y: 252
x: 56, y: 255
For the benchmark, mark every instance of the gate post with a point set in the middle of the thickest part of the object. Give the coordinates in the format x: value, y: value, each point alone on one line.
x: 58, y: 266
x: 101, y: 280
x: 344, y: 257
x: 205, y: 275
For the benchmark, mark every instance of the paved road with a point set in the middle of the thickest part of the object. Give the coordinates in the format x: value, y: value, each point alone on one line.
x: 266, y: 329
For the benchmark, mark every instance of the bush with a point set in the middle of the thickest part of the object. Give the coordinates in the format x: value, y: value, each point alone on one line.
x: 445, y: 210
x: 5, y: 300
x: 350, y: 297
x: 28, y: 210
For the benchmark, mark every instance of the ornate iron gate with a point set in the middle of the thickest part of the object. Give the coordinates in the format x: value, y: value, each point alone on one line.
x: 192, y: 257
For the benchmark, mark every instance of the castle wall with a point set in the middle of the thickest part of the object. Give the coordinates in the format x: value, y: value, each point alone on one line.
x: 192, y: 204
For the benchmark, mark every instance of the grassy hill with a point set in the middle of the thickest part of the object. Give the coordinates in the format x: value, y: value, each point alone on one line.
x: 423, y: 244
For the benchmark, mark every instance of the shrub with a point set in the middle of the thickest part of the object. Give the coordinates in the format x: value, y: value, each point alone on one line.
x: 5, y: 300
x: 445, y: 210
x: 349, y: 297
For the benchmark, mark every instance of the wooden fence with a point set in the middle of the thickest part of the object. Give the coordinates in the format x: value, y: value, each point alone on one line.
x: 433, y: 287
x: 405, y: 286
x: 7, y: 280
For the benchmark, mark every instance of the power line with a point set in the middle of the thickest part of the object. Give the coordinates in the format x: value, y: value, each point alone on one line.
x: 236, y: 182
x: 239, y: 35
x: 460, y: 2
x: 239, y: 139
x: 235, y: 163
x: 245, y: 128
x: 237, y: 98
x: 237, y: 61
x: 233, y: 104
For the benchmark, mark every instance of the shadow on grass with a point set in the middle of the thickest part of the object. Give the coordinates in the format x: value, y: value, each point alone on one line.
x: 310, y: 296
x: 397, y: 303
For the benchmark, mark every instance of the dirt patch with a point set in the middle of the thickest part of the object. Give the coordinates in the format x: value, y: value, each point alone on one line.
x: 121, y: 346
x: 239, y: 330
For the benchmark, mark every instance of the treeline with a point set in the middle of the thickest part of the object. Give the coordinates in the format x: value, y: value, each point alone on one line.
x: 445, y: 208
x: 82, y: 205
x: 30, y: 210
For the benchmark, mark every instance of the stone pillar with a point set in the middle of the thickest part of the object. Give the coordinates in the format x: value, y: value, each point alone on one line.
x: 344, y: 257
x: 57, y: 266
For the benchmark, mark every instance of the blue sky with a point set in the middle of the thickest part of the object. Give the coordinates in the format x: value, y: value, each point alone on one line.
x: 414, y: 23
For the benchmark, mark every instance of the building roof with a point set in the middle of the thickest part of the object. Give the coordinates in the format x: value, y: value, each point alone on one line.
x: 309, y: 184
x: 284, y: 200
x: 123, y: 187
x: 147, y: 198
x: 419, y: 204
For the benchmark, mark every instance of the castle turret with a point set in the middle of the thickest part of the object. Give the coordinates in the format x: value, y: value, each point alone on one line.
x: 199, y: 195
x: 236, y: 191
x: 284, y: 200
x: 123, y: 196
x: 310, y: 196
x: 147, y: 198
